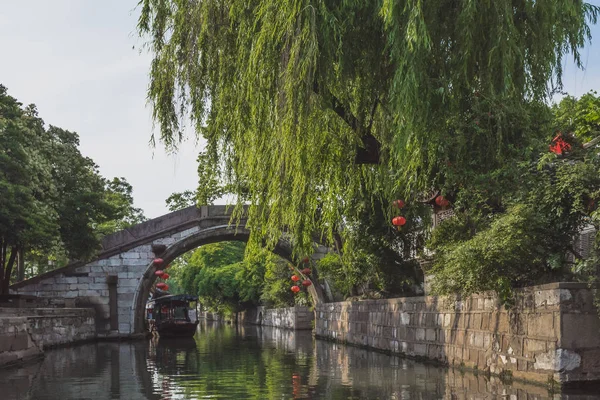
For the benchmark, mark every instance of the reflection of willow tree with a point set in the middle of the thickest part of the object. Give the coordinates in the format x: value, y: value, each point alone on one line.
x: 251, y: 371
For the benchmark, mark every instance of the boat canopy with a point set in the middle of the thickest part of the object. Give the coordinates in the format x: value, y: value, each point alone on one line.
x: 174, y: 297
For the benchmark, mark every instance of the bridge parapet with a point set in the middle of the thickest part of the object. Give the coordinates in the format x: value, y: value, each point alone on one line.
x: 166, y: 225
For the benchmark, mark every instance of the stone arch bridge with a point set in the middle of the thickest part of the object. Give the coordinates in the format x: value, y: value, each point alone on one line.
x: 117, y: 282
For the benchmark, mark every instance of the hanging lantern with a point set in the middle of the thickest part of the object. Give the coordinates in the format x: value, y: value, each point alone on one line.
x: 295, y: 278
x: 165, y: 276
x: 306, y: 271
x: 166, y: 287
x: 306, y: 283
x: 441, y: 201
x: 159, y: 272
x: 158, y: 262
x: 306, y: 260
x: 161, y: 285
x: 398, y: 203
x: 559, y: 145
x: 399, y: 221
x: 295, y: 289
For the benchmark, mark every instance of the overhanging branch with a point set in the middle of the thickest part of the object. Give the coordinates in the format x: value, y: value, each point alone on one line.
x: 370, y: 151
x: 592, y: 142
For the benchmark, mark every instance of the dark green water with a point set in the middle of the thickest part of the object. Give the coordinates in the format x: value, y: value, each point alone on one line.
x: 223, y: 362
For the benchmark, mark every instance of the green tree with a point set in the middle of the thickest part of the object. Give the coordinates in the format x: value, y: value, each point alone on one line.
x: 581, y: 117
x: 228, y: 280
x: 293, y: 97
x: 54, y: 205
x: 27, y: 191
x: 81, y: 198
x: 119, y: 196
x: 178, y: 201
x: 519, y: 230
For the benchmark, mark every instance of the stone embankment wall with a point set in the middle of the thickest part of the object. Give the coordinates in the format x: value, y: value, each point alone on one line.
x: 25, y: 333
x: 551, y: 332
x: 298, y: 317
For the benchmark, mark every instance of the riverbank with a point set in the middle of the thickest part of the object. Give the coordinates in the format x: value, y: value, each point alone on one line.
x: 550, y: 335
x: 251, y: 362
x: 26, y: 332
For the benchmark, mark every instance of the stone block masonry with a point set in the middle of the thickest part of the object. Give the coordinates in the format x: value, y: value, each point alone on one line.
x: 88, y: 285
x: 297, y: 318
x: 551, y: 332
x: 25, y: 333
x: 118, y: 282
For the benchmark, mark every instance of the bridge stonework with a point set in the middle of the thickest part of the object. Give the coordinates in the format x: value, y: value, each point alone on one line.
x: 117, y: 283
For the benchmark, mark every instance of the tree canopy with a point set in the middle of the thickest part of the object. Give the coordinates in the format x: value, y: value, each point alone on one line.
x: 519, y: 229
x: 227, y: 281
x: 52, y: 199
x: 298, y: 99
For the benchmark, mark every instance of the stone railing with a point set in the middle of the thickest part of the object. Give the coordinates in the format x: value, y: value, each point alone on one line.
x: 551, y: 333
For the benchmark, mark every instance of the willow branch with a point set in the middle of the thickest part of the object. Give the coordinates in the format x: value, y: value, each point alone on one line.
x: 337, y: 107
x: 592, y: 142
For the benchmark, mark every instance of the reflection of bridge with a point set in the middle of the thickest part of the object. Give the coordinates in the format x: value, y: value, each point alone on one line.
x: 117, y: 282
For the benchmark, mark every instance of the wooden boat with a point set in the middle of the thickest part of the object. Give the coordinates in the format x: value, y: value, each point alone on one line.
x: 169, y: 316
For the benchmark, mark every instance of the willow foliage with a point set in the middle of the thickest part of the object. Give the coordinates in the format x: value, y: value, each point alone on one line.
x: 287, y: 91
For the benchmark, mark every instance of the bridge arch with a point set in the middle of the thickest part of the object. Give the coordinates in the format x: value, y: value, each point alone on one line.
x: 118, y: 281
x: 222, y: 233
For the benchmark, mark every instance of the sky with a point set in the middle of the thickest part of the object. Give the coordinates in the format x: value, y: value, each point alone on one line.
x: 75, y: 59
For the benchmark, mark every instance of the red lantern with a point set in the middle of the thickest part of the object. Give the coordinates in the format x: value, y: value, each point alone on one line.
x: 306, y: 271
x: 161, y: 285
x: 441, y: 201
x: 399, y: 221
x: 398, y: 203
x: 295, y: 289
x: 306, y: 283
x: 295, y: 278
x: 159, y: 272
x: 165, y: 276
x: 559, y: 146
x: 158, y: 261
x: 166, y: 287
x: 306, y: 260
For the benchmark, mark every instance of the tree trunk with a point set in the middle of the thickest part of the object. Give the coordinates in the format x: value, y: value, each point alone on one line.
x: 20, y: 265
x: 8, y: 268
x: 2, y: 263
x: 315, y: 290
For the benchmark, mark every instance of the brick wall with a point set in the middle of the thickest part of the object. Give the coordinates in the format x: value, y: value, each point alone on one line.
x: 552, y: 331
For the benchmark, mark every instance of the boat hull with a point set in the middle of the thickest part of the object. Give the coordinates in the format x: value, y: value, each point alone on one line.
x: 177, y: 329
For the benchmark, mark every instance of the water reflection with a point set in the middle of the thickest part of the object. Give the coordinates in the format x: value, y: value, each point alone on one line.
x: 225, y: 362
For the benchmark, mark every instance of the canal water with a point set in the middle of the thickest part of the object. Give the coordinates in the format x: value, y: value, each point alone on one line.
x: 225, y: 362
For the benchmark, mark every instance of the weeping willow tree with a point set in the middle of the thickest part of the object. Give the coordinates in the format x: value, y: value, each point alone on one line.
x: 308, y: 106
